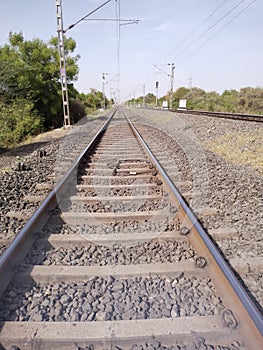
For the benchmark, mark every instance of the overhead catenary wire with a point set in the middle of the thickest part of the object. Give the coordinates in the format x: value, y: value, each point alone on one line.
x: 197, y: 27
x: 217, y: 32
x: 90, y: 13
x: 161, y: 70
x: 210, y: 28
x: 192, y: 32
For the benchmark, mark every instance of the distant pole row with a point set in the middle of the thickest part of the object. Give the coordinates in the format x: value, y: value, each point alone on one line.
x: 61, y: 48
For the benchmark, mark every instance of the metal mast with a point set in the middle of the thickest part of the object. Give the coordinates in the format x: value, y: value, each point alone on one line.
x: 103, y: 89
x: 63, y: 73
x: 172, y: 84
x: 171, y: 81
x: 156, y: 87
x: 143, y: 90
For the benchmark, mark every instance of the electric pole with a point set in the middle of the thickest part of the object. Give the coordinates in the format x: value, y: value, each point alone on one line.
x: 62, y: 61
x: 172, y: 83
x: 156, y: 87
x: 103, y: 89
x: 171, y: 80
x: 61, y: 32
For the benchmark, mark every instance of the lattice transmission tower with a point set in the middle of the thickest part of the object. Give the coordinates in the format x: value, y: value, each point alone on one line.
x: 62, y: 60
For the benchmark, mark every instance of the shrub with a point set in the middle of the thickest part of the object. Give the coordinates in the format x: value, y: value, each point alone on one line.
x: 17, y: 121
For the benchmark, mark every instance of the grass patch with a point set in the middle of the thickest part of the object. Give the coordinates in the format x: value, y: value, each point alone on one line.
x: 239, y: 148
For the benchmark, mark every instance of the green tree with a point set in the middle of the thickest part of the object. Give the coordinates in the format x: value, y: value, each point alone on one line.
x: 150, y: 98
x: 247, y: 100
x: 230, y: 100
x: 196, y: 99
x: 17, y: 121
x: 178, y: 95
x: 251, y: 100
x: 29, y: 69
x: 93, y: 100
x: 212, y: 101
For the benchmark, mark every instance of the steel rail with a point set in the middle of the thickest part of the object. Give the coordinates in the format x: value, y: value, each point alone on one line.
x: 26, y: 237
x: 238, y: 116
x: 246, y: 117
x: 249, y: 306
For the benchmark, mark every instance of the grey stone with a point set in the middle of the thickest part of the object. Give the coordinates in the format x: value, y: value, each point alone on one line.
x: 45, y: 303
x: 101, y: 316
x: 37, y: 295
x: 175, y: 311
x: 109, y: 308
x: 84, y: 317
x: 91, y: 316
x: 34, y: 304
x: 117, y: 287
x: 74, y: 316
x: 75, y: 303
x: 87, y: 306
x: 36, y: 318
x: 166, y: 312
x: 128, y: 315
x: 118, y: 308
x: 64, y: 299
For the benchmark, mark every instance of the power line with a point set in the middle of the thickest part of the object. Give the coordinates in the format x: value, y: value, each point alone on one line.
x: 197, y: 27
x: 161, y: 70
x: 211, y: 27
x: 220, y: 30
x: 193, y: 31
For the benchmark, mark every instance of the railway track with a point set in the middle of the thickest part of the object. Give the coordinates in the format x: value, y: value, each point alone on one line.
x: 114, y: 259
x: 238, y: 116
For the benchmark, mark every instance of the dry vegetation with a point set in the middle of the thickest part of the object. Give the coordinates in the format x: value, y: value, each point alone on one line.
x: 239, y: 148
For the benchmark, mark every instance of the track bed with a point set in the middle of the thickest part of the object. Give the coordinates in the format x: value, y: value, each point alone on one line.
x: 119, y: 264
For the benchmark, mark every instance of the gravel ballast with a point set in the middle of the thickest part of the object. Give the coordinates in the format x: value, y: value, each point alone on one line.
x: 232, y: 185
x: 101, y: 299
x: 198, y: 343
x: 155, y: 251
x: 43, y: 161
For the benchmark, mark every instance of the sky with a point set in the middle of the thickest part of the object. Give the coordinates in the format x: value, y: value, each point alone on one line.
x: 214, y: 44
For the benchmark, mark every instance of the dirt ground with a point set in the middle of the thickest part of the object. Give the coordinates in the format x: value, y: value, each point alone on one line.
x: 10, y: 157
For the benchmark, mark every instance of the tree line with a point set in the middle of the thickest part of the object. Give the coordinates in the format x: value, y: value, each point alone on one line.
x: 30, y: 91
x: 30, y: 88
x: 247, y: 100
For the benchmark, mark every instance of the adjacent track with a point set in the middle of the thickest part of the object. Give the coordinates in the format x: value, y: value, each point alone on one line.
x: 115, y: 259
x: 238, y: 116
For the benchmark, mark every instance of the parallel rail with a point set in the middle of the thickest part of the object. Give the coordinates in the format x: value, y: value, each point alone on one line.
x: 240, y: 318
x: 24, y: 240
x: 205, y: 239
x: 238, y: 116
